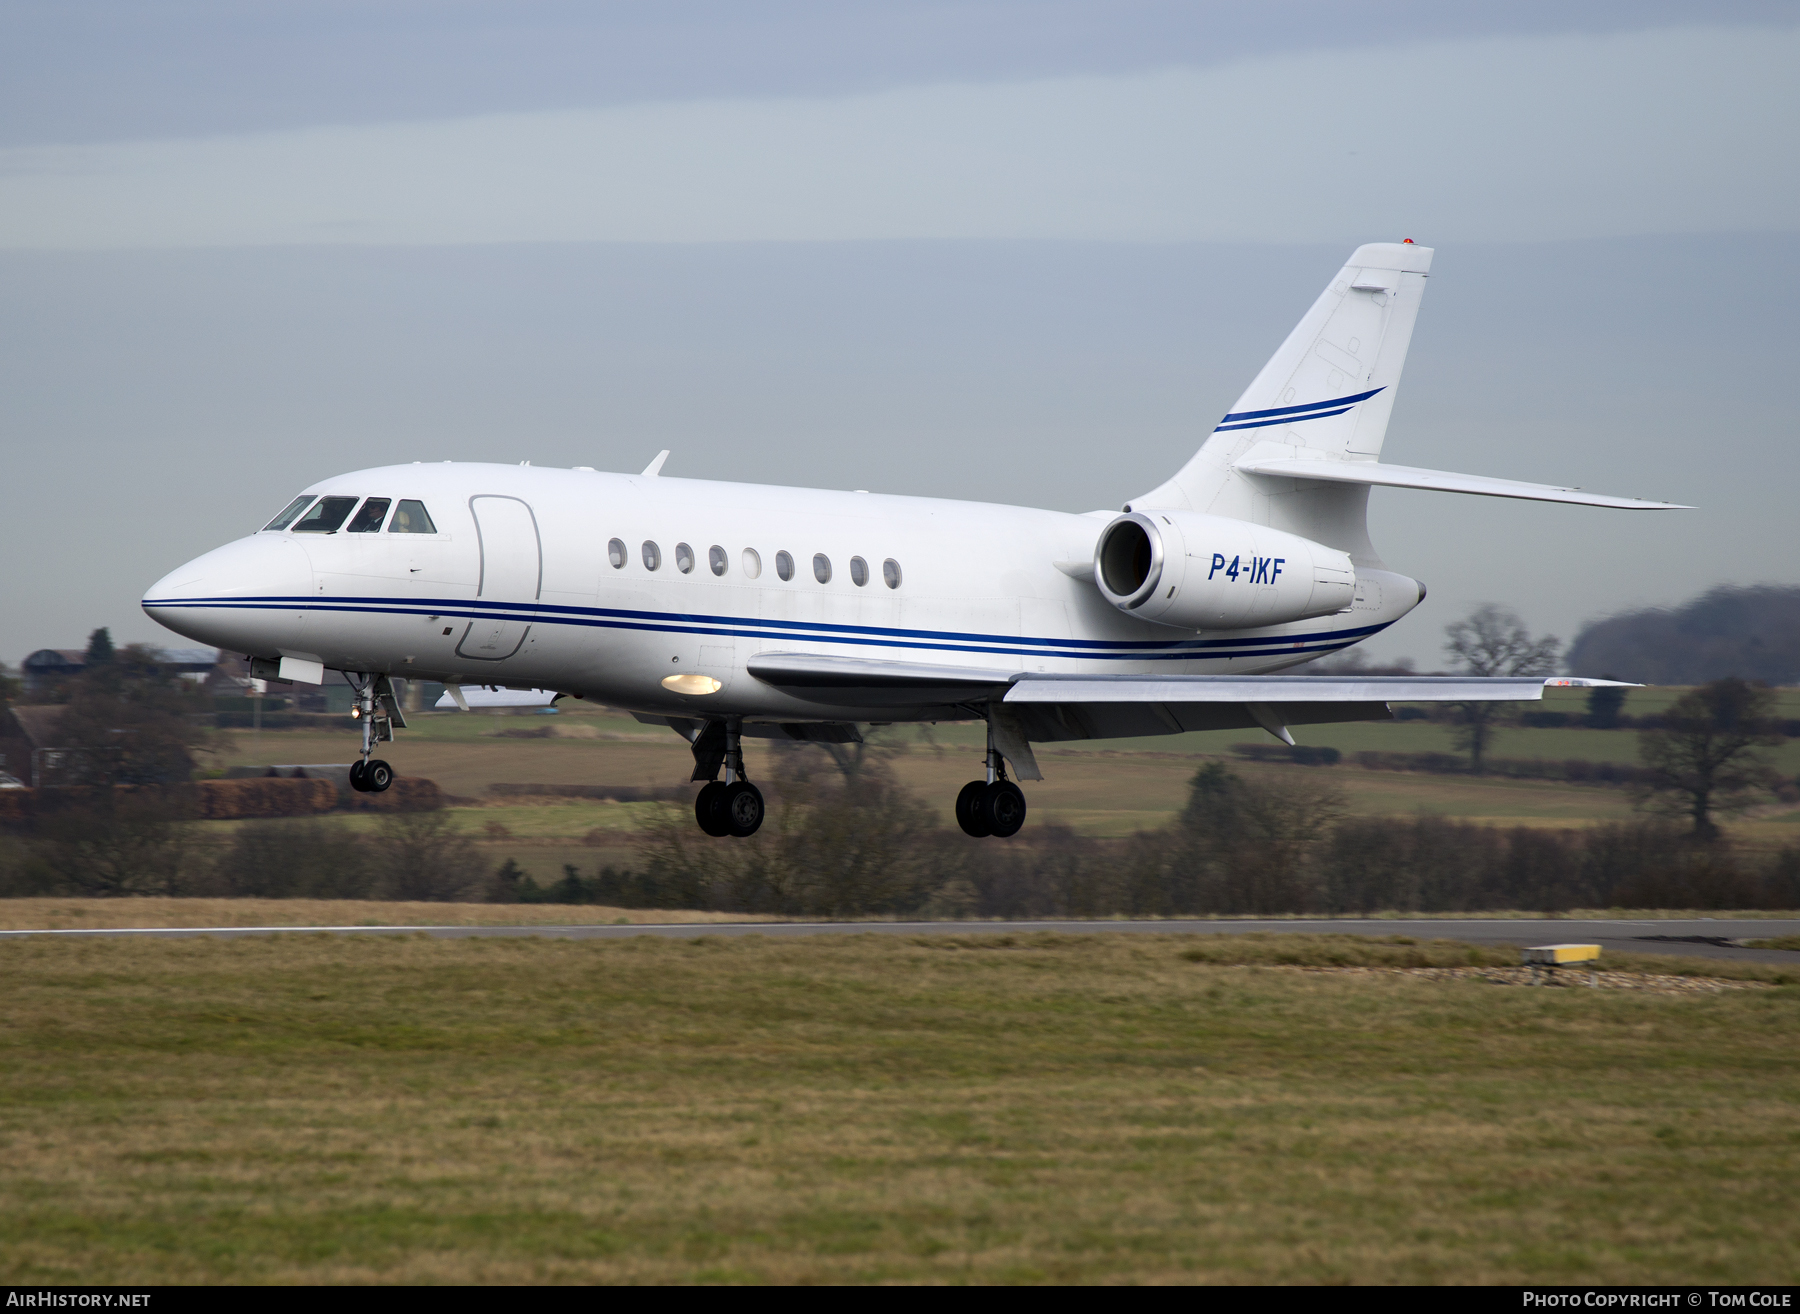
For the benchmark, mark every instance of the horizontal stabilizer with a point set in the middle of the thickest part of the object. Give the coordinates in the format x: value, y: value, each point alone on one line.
x: 1442, y: 481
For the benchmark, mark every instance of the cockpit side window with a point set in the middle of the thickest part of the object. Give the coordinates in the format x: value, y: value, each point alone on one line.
x: 412, y: 518
x: 368, y: 519
x: 288, y: 512
x: 325, y: 517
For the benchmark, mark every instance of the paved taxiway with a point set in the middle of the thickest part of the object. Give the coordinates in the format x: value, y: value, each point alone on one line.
x: 1697, y: 937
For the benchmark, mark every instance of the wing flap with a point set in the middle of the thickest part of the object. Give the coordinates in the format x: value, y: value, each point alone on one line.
x: 1441, y: 481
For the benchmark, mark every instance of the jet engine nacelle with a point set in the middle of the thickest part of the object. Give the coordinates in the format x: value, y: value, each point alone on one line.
x: 1203, y: 572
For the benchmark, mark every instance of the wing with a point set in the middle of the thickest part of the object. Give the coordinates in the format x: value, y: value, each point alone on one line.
x: 865, y: 682
x: 1054, y: 707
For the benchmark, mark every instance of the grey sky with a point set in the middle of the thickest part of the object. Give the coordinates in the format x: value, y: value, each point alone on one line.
x: 354, y: 189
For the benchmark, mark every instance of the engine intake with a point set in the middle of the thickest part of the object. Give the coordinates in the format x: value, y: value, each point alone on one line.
x: 1201, y: 572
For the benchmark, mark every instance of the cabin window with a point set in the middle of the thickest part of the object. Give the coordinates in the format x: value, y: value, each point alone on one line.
x: 784, y: 565
x: 652, y: 555
x: 325, y: 517
x: 288, y: 512
x: 368, y: 518
x: 411, y: 518
x: 821, y: 568
x: 890, y: 573
x: 616, y: 555
x: 859, y: 571
x: 684, y: 558
x: 752, y: 563
x: 716, y: 558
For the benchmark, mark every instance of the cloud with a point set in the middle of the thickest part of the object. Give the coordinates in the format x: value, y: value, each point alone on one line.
x: 1680, y: 131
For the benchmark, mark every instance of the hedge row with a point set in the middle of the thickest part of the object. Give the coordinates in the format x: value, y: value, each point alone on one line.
x: 233, y: 800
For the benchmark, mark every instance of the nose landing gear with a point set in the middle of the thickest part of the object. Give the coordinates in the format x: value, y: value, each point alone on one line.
x: 994, y: 806
x: 379, y: 711
x: 732, y: 806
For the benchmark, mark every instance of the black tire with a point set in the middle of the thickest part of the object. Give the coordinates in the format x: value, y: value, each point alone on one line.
x: 709, y: 809
x: 377, y: 776
x: 969, y: 813
x: 1003, y: 807
x: 743, y: 809
x: 356, y: 776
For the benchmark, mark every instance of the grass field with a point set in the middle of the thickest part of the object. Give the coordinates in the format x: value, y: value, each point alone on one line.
x: 66, y: 913
x: 867, y: 1108
x: 1098, y: 789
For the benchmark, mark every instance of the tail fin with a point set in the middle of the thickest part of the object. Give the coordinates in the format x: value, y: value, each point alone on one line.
x: 1326, y: 393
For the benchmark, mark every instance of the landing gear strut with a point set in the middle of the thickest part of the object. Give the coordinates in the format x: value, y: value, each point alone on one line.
x: 379, y: 711
x: 732, y: 806
x: 994, y: 806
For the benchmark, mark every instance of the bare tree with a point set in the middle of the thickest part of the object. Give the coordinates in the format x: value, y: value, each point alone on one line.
x: 1492, y: 641
x: 1707, y: 756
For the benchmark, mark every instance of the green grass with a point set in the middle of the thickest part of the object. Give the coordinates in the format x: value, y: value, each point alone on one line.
x: 1101, y: 788
x: 870, y: 1108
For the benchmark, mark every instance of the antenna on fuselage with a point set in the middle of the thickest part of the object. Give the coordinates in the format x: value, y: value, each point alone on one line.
x: 655, y: 467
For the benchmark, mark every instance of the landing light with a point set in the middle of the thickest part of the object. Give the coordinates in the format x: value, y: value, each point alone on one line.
x: 691, y: 684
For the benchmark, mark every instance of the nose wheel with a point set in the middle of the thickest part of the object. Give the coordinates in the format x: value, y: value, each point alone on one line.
x: 379, y: 711
x: 372, y: 777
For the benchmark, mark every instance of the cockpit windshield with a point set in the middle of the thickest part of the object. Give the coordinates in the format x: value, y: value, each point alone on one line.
x: 368, y: 519
x: 288, y: 512
x: 412, y: 518
x: 326, y: 516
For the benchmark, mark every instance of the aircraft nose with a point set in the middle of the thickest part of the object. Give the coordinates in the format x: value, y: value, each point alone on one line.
x: 246, y: 596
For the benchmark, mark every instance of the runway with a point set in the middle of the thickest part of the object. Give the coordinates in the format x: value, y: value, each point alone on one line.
x: 1694, y: 937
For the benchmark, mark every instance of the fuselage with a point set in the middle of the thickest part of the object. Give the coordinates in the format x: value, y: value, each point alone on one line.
x: 605, y: 585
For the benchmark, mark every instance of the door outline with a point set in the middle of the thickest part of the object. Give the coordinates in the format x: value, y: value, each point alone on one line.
x: 481, y: 541
x: 483, y: 657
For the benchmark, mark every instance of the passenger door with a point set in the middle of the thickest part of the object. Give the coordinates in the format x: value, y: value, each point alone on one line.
x: 511, y: 578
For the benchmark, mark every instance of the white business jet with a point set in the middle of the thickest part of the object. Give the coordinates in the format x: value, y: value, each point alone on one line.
x: 731, y: 610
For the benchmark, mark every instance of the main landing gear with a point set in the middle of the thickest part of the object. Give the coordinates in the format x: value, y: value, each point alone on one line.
x: 379, y: 711
x: 994, y: 806
x: 732, y: 806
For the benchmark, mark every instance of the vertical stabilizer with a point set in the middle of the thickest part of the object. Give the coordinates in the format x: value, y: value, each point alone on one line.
x: 1327, y: 393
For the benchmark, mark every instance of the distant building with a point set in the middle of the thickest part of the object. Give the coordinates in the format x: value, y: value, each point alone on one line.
x: 48, y: 667
x: 30, y: 746
x: 44, y: 669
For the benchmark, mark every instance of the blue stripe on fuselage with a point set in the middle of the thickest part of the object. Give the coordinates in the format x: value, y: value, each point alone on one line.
x: 816, y: 631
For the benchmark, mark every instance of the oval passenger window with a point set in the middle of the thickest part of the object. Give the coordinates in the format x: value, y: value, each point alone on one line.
x: 652, y: 555
x: 752, y: 563
x: 784, y: 565
x: 890, y: 573
x: 684, y: 558
x: 859, y: 571
x: 821, y: 568
x: 616, y: 554
x: 716, y: 558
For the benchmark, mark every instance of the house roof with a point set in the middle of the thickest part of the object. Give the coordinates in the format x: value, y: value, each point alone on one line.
x: 40, y: 726
x: 56, y: 659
